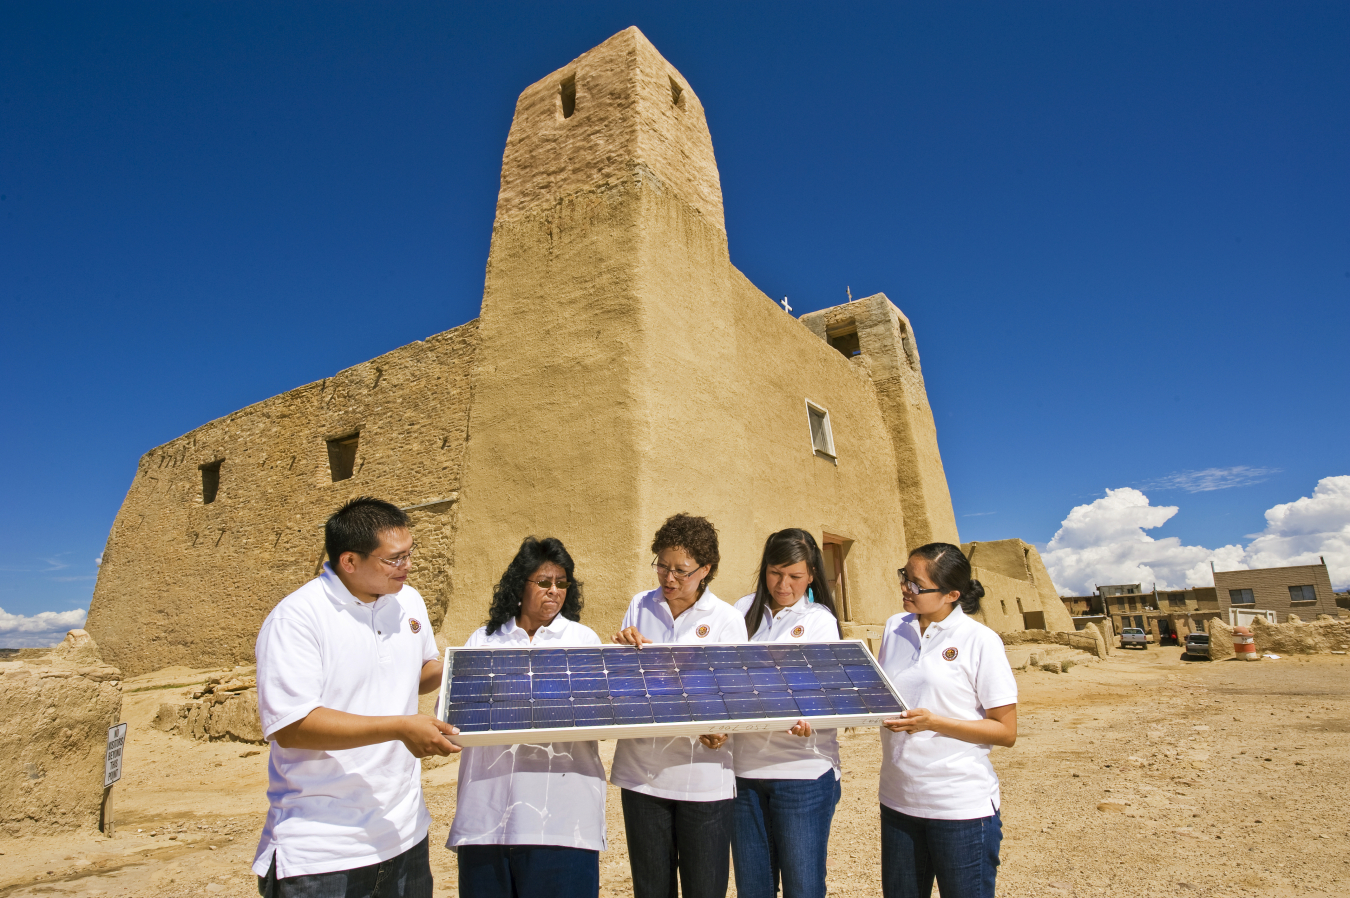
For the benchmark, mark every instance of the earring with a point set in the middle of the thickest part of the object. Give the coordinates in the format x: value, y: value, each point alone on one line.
x: 810, y: 596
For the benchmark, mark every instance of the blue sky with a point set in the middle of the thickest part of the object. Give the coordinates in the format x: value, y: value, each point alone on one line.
x: 1121, y: 230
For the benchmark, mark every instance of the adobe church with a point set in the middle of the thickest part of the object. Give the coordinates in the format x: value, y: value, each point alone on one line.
x: 621, y: 370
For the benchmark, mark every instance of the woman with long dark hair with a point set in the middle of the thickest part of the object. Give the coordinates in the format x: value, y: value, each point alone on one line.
x: 530, y: 819
x: 939, y: 793
x: 787, y: 783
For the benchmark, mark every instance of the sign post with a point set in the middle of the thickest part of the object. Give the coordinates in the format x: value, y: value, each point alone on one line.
x: 112, y: 772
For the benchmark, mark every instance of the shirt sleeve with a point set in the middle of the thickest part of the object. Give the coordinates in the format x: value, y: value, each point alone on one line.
x: 290, y: 673
x: 995, y: 685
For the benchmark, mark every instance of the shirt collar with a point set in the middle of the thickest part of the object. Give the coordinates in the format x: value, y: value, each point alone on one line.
x: 955, y: 619
x: 801, y: 606
x: 553, y: 629
x: 338, y: 592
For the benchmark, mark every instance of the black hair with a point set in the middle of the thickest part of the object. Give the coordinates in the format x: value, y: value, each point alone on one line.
x: 696, y: 536
x: 789, y: 547
x: 510, y: 589
x: 949, y: 569
x: 356, y: 527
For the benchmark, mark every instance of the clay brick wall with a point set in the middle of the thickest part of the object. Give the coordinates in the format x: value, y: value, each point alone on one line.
x: 184, y: 581
x: 1270, y: 588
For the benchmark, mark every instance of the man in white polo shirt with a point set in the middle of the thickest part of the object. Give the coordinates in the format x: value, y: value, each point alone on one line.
x: 341, y: 662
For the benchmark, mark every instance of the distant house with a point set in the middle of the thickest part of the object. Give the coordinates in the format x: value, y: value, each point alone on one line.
x: 1303, y: 590
x: 1165, y: 614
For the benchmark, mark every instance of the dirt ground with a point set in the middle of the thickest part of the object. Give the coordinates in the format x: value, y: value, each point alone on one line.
x: 1142, y: 775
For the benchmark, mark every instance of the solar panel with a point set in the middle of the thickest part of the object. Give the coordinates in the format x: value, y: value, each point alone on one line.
x: 499, y: 696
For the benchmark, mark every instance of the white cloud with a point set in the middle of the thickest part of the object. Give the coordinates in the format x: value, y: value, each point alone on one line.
x: 1105, y: 543
x: 1211, y: 479
x: 46, y: 628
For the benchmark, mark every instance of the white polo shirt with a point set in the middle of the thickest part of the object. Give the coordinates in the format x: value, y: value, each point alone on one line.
x: 323, y: 647
x: 678, y: 767
x: 546, y: 794
x: 779, y: 755
x: 957, y: 668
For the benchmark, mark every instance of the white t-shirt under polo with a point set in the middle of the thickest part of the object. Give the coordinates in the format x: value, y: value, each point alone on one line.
x: 323, y: 647
x: 546, y: 794
x: 957, y: 668
x: 778, y: 755
x: 678, y: 767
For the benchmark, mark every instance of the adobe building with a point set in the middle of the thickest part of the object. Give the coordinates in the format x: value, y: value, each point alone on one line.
x: 1302, y: 590
x: 621, y: 370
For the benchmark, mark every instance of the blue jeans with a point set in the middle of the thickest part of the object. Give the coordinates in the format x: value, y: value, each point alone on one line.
x: 522, y: 871
x: 666, y: 836
x: 962, y: 854
x: 406, y: 876
x: 782, y: 831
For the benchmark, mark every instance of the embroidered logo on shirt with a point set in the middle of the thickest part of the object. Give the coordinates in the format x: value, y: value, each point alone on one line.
x: 950, y: 654
x: 798, y: 630
x: 701, y: 631
x: 414, y: 625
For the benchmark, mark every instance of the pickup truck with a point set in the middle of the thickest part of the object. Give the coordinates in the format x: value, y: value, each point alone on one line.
x: 1131, y: 637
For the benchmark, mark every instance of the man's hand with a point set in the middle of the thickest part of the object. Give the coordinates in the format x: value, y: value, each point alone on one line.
x: 631, y: 636
x: 424, y: 736
x: 714, y: 740
x: 801, y: 728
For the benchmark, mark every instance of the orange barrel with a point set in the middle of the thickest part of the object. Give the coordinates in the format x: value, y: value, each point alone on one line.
x: 1244, y: 644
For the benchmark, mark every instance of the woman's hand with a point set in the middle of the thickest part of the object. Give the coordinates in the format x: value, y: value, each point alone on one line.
x: 801, y: 728
x: 714, y: 740
x: 631, y: 636
x: 915, y: 720
x: 999, y: 726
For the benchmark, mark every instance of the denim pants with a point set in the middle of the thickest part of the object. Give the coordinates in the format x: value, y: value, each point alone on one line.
x: 961, y: 854
x: 782, y: 832
x: 406, y: 876
x: 523, y: 871
x: 666, y: 836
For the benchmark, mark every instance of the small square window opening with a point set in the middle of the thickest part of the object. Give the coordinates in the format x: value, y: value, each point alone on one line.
x: 342, y: 456
x: 567, y: 92
x: 210, y: 481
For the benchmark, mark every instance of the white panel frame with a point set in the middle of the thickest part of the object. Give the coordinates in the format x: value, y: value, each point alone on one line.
x: 641, y: 730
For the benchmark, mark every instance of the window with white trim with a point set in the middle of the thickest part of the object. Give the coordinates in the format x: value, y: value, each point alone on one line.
x: 822, y: 440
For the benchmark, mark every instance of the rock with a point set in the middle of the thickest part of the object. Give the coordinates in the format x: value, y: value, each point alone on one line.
x: 54, y: 736
x: 1220, y: 641
x: 1052, y: 667
x: 1111, y: 806
x: 216, y: 717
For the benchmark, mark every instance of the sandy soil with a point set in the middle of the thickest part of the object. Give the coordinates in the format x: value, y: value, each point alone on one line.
x: 1143, y: 775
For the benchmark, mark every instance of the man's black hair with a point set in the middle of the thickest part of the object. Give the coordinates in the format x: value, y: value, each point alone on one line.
x: 356, y: 527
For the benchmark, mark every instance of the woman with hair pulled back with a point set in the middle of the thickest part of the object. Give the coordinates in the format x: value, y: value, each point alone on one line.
x: 939, y: 793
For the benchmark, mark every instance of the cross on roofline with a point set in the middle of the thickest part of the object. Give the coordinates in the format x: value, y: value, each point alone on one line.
x: 786, y: 308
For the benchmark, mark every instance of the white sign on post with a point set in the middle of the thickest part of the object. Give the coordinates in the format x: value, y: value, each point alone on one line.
x: 112, y: 770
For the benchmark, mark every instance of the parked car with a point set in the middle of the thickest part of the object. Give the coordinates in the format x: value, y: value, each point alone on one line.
x: 1132, y: 637
x: 1197, y: 645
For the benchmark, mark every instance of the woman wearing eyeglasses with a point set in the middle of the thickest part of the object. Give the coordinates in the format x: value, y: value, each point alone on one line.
x: 530, y: 819
x: 939, y: 793
x: 677, y: 792
x: 787, y: 783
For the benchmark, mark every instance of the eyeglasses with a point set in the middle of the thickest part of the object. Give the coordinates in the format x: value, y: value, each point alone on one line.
x: 397, y: 561
x: 546, y: 584
x: 681, y: 576
x: 910, y: 586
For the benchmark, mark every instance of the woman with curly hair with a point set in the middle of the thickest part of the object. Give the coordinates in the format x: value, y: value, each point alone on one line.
x: 939, y: 793
x: 530, y: 819
x: 677, y: 792
x: 787, y: 783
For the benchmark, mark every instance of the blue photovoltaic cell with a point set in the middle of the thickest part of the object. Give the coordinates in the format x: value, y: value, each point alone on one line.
x: 661, y: 682
x: 707, y: 707
x: 512, y: 715
x: 632, y: 710
x: 510, y: 662
x: 553, y: 713
x: 743, y: 706
x: 550, y: 686
x: 698, y: 682
x: 471, y: 689
x: 593, y: 712
x: 767, y: 679
x: 813, y: 702
x: 470, y: 717
x: 512, y: 689
x: 626, y: 685
x: 589, y: 685
x: 800, y: 678
x: 778, y: 704
x: 733, y: 680
x: 507, y: 686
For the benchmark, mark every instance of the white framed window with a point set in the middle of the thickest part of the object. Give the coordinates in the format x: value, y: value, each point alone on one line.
x: 822, y: 440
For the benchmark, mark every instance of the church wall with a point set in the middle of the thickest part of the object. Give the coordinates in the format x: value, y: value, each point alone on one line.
x: 189, y: 582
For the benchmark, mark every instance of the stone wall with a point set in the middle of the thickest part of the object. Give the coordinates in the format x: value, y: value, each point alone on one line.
x: 1016, y: 584
x: 1298, y: 637
x: 1089, y: 640
x: 224, y: 709
x: 54, y: 736
x: 185, y: 581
